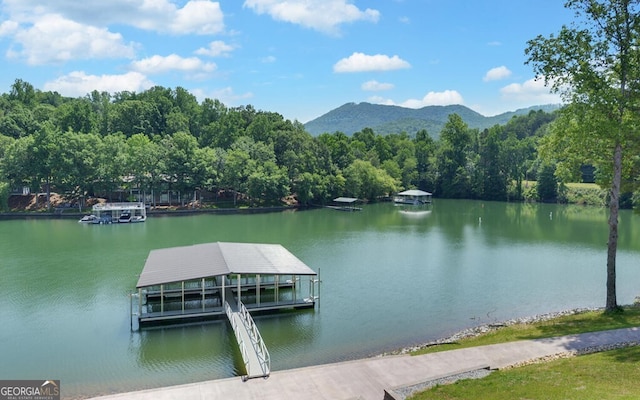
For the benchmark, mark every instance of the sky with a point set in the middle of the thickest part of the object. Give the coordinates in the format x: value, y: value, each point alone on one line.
x: 299, y: 58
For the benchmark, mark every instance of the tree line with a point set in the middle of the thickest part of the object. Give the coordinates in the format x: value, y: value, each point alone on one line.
x: 164, y: 139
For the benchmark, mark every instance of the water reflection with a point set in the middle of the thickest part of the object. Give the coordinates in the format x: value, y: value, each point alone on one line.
x: 388, y: 280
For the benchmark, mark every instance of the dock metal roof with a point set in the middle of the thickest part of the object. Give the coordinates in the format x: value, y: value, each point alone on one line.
x: 177, y: 264
x: 414, y: 192
x: 345, y: 199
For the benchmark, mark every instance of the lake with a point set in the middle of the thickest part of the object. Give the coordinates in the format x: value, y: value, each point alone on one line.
x: 390, y: 279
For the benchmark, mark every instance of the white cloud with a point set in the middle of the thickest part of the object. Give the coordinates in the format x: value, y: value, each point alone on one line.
x: 202, y: 17
x: 225, y: 95
x: 532, y: 91
x: 360, y: 62
x: 324, y: 16
x: 497, y: 73
x: 375, y: 86
x: 159, y: 65
x: 196, y: 16
x: 494, y: 43
x: 217, y: 48
x: 78, y: 83
x: 54, y: 39
x: 268, y: 59
x: 8, y: 28
x: 445, y: 98
x: 381, y: 100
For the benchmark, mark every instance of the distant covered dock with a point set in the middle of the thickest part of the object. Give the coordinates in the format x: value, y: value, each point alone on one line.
x: 344, y: 204
x: 412, y: 197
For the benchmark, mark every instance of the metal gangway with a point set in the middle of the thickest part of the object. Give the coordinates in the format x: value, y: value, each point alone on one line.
x: 255, y: 355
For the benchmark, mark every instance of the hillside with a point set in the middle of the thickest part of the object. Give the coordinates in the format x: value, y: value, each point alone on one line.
x: 383, y: 119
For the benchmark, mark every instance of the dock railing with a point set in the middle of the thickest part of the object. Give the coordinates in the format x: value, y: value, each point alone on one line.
x: 256, y: 338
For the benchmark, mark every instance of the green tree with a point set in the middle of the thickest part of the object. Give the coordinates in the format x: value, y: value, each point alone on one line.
x: 595, y: 66
x: 365, y: 181
x: 453, y: 180
x: 144, y: 162
x: 135, y: 116
x: 425, y: 161
x: 18, y: 163
x: 491, y: 179
x: 339, y: 148
x: 76, y: 115
x: 76, y: 162
x: 180, y: 160
x: 547, y: 186
x: 112, y: 163
x: 43, y: 153
x: 236, y: 171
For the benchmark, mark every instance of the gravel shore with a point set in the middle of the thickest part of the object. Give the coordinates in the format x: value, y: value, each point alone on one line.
x: 486, y: 328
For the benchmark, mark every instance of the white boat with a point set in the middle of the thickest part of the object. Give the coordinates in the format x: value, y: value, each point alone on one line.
x: 107, y: 213
x: 88, y: 219
x: 412, y: 197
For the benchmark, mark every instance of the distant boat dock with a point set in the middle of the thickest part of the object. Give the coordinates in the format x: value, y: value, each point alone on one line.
x: 108, y: 213
x: 220, y: 279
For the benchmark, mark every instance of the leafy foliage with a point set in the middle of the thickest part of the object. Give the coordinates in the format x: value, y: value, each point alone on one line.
x: 165, y: 140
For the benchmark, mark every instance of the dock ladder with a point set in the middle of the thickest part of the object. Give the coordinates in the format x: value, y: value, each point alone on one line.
x: 255, y: 355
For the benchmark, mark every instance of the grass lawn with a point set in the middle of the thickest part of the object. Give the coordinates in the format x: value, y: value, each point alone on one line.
x: 566, y: 325
x: 612, y: 374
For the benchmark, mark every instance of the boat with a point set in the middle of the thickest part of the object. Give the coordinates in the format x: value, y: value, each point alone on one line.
x: 108, y: 213
x: 88, y: 219
x: 125, y: 217
x: 412, y: 197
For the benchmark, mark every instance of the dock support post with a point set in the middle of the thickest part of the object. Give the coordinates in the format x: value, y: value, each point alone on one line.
x: 183, y: 297
x: 258, y: 289
x: 224, y: 280
x: 203, y: 294
x: 239, y: 288
x: 161, y: 298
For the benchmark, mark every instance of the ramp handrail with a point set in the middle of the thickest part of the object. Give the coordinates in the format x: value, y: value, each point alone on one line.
x: 243, y: 350
x: 258, y: 342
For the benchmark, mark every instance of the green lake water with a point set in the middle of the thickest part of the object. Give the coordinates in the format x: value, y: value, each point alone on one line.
x: 390, y: 279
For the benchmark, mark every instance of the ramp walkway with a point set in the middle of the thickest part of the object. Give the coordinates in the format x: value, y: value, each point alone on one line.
x: 369, y: 378
x: 255, y: 355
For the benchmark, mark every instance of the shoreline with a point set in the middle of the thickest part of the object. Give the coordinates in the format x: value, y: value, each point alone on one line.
x: 462, y: 334
x: 482, y: 329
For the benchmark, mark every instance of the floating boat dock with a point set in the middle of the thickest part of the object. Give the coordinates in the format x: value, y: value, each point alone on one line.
x: 110, y: 213
x: 344, y: 204
x: 214, y: 280
x: 413, y: 197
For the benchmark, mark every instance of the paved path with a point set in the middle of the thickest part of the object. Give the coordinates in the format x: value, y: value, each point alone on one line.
x: 368, y: 378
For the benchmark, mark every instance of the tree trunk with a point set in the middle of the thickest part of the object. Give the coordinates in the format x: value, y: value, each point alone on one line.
x: 612, y: 246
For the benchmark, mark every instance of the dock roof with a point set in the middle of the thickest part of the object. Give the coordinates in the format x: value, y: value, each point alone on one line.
x: 198, y: 261
x: 345, y: 199
x: 414, y: 192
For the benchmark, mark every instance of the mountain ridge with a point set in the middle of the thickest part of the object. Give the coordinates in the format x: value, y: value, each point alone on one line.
x: 385, y: 119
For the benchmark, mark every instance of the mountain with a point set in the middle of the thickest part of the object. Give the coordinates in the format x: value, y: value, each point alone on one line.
x: 351, y: 117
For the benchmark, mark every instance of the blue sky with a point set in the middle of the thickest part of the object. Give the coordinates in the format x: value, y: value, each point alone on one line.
x: 300, y: 58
